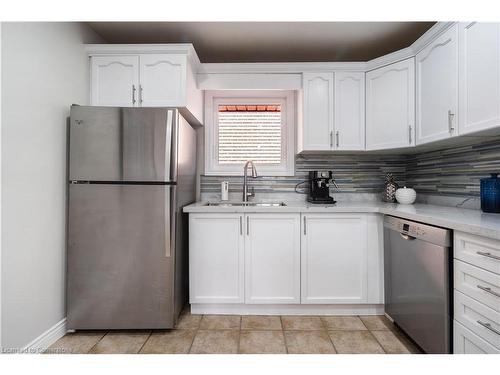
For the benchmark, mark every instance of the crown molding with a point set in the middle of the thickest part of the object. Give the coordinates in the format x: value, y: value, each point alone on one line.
x: 128, y: 49
x: 285, y: 67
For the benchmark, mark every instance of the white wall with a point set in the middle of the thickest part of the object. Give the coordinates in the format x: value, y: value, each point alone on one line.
x: 44, y: 71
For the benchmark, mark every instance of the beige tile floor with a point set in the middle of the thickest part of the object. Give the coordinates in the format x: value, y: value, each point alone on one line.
x: 231, y: 334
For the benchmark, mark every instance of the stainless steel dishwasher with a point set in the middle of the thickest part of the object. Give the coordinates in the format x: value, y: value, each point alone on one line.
x: 417, y: 265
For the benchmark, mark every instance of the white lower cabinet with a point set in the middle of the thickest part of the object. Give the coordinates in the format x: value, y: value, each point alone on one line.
x: 216, y: 258
x: 476, y: 295
x: 272, y: 258
x: 286, y: 258
x: 334, y: 259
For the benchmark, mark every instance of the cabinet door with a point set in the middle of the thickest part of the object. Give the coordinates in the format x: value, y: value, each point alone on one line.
x: 479, y: 77
x: 216, y: 258
x: 318, y: 111
x: 163, y: 80
x: 272, y: 258
x: 437, y: 88
x: 114, y: 80
x: 333, y: 259
x: 349, y: 111
x: 390, y: 106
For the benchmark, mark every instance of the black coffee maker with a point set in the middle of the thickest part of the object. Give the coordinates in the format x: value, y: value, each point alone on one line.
x: 319, y: 187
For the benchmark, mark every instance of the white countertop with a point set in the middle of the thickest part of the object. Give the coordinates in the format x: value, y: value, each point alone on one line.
x: 461, y: 219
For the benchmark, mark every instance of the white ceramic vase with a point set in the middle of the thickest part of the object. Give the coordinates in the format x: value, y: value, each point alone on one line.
x: 406, y: 195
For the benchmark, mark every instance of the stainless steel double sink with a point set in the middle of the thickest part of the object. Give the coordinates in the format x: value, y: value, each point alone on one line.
x: 246, y: 204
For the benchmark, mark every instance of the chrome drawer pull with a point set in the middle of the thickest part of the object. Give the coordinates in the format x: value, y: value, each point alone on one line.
x: 488, y: 290
x: 488, y: 326
x: 488, y: 255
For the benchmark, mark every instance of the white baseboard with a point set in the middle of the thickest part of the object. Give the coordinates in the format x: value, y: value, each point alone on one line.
x: 46, y: 339
x: 243, y: 309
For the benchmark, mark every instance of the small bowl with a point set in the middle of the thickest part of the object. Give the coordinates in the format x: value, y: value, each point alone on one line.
x: 406, y: 195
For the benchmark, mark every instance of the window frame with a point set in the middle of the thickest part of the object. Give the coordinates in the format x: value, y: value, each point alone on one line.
x: 285, y: 98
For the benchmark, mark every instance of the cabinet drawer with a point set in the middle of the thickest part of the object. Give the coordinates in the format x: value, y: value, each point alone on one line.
x: 467, y: 342
x: 478, y: 251
x: 480, y: 319
x: 477, y: 283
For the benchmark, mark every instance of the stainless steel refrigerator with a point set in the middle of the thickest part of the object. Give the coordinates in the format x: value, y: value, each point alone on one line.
x: 131, y: 170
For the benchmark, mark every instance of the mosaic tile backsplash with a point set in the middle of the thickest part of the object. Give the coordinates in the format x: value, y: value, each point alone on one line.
x: 448, y: 172
x: 453, y: 171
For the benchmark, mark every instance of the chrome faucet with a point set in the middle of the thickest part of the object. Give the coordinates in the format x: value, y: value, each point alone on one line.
x: 246, y: 194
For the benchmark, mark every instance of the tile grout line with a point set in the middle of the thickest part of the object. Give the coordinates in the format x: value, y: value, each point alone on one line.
x: 372, y: 335
x: 195, y: 333
x: 98, y: 341
x: 239, y: 336
x: 283, y: 333
x: 145, y: 341
x: 328, y: 334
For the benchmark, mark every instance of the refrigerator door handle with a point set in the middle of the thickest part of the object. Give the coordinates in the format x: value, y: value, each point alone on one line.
x: 168, y: 145
x: 168, y: 222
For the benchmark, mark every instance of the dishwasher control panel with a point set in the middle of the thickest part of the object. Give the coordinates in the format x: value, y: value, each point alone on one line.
x: 412, y: 230
x: 418, y: 230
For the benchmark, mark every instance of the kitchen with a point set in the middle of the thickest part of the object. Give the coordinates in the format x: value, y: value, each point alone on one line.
x: 222, y: 201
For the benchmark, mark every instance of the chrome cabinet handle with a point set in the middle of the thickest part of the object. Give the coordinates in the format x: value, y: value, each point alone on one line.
x: 488, y: 290
x: 409, y: 134
x: 133, y: 94
x: 331, y: 138
x: 450, y: 121
x: 305, y: 226
x: 241, y: 225
x: 337, y: 138
x: 140, y: 94
x: 248, y: 227
x: 488, y: 255
x: 488, y: 326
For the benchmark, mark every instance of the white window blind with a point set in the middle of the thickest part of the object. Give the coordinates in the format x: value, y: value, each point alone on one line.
x: 248, y: 134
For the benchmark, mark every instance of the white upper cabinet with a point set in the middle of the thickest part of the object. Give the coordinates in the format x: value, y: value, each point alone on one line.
x: 272, y: 258
x: 163, y: 80
x: 333, y: 109
x: 390, y: 106
x: 437, y: 88
x: 317, y: 127
x: 146, y: 79
x: 349, y: 108
x: 479, y: 79
x: 115, y: 81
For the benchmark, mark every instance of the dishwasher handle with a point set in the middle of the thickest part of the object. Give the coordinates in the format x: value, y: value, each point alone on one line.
x: 407, y: 237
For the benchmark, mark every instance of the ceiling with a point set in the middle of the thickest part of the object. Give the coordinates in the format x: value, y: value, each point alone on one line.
x: 224, y: 42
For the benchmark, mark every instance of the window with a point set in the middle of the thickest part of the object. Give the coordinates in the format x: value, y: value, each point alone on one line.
x: 256, y: 125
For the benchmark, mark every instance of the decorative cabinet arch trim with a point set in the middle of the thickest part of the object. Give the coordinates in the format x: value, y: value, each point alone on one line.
x: 163, y: 62
x: 115, y: 63
x: 424, y: 57
x: 392, y: 70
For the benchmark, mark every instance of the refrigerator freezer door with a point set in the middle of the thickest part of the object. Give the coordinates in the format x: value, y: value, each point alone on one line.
x: 120, y: 266
x: 123, y: 144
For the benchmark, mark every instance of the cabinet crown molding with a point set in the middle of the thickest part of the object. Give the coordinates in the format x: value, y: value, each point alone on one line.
x: 139, y: 49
